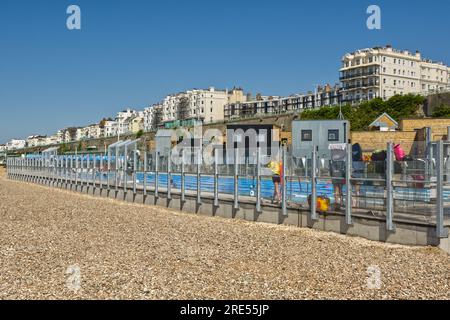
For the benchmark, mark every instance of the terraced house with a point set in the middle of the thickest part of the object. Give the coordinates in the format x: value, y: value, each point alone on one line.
x: 385, y: 72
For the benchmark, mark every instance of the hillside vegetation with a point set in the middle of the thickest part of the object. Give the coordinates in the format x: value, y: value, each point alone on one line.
x: 361, y: 116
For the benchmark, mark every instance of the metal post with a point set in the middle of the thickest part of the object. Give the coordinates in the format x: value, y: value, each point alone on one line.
x: 57, y: 172
x: 216, y: 178
x: 116, y: 171
x: 76, y: 172
x: 67, y: 175
x: 134, y: 174
x: 314, y: 215
x: 258, y: 180
x: 390, y: 187
x: 199, y: 166
x: 124, y: 170
x: 88, y: 163
x: 236, y: 178
x: 108, y: 171
x: 441, y: 232
x: 101, y: 172
x: 82, y: 176
x: 94, y: 173
x: 284, y: 182
x: 144, y: 183
x: 169, y: 175
x: 182, y: 176
x: 157, y: 175
x: 429, y: 153
x: 348, y: 177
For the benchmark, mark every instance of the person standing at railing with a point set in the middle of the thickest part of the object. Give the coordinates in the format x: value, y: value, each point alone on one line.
x: 276, y: 167
x: 337, y: 171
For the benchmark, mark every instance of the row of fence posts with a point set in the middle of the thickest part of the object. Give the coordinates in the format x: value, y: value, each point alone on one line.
x: 59, y: 171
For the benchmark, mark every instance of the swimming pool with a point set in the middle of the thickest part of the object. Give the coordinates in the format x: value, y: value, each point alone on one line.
x: 297, y: 189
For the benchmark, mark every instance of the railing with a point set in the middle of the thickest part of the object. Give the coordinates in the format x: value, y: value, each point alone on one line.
x: 412, y: 190
x: 357, y: 75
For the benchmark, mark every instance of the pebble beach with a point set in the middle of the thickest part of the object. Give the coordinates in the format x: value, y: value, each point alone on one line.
x: 57, y: 244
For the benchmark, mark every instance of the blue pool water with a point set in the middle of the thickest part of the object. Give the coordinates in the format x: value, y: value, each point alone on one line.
x: 297, y: 190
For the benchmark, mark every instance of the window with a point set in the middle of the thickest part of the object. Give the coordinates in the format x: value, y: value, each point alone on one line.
x: 306, y: 135
x: 333, y: 135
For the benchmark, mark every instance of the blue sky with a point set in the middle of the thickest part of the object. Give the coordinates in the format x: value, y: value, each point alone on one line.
x: 133, y: 53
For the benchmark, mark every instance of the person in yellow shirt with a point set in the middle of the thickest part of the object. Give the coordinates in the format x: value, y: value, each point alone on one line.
x: 276, y: 167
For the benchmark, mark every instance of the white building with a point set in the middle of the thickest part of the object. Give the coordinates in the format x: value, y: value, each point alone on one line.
x: 206, y: 105
x: 51, y: 140
x: 110, y: 129
x: 123, y: 120
x: 152, y: 115
x: 15, y: 144
x: 36, y: 141
x: 94, y: 131
x: 82, y: 133
x: 2, y: 148
x: 434, y: 76
x: 385, y: 72
x: 265, y: 105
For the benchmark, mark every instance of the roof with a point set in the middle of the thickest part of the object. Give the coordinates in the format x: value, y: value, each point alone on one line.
x: 379, y: 123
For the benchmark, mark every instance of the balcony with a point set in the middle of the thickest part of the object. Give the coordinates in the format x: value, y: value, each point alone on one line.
x: 363, y: 85
x: 358, y: 75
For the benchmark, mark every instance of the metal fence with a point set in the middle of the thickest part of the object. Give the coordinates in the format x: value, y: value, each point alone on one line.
x: 414, y: 190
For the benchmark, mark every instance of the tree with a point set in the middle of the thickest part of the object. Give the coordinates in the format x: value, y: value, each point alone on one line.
x: 442, y: 111
x: 139, y: 134
x: 362, y: 115
x: 183, y: 108
x: 157, y: 117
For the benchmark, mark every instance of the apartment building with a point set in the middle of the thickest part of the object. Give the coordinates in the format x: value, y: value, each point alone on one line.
x: 123, y: 120
x: 36, y: 141
x: 384, y: 72
x: 15, y: 144
x: 136, y: 124
x: 262, y: 105
x: 153, y: 117
x: 434, y: 76
x: 110, y: 128
x: 52, y: 140
x: 82, y: 133
x: 205, y: 105
x: 94, y: 131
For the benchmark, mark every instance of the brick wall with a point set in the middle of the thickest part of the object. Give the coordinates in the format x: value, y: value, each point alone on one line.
x: 374, y: 140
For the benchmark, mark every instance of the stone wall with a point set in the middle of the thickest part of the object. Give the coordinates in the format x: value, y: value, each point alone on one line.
x: 434, y: 101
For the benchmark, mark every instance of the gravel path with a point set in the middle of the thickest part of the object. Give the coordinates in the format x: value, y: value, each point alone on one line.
x: 122, y: 251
